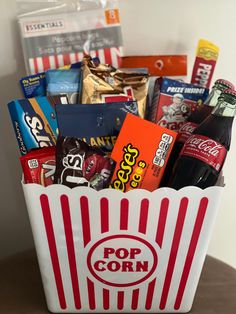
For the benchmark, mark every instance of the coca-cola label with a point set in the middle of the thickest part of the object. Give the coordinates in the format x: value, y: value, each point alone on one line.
x: 206, y: 150
x: 185, y: 131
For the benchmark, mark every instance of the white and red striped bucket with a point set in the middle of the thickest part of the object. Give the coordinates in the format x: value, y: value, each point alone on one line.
x: 109, y: 252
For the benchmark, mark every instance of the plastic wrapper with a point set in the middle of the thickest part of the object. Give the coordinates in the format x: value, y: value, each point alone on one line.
x: 57, y: 33
x: 78, y: 164
x: 105, y: 84
x: 97, y: 125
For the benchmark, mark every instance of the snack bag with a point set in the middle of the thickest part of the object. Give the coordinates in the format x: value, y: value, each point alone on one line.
x: 173, y: 102
x: 104, y: 84
x: 96, y: 124
x: 58, y: 33
x: 39, y: 166
x: 35, y: 85
x: 64, y: 82
x: 78, y: 164
x: 141, y: 153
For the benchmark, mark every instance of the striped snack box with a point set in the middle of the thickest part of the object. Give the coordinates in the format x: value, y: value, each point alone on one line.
x: 110, y: 251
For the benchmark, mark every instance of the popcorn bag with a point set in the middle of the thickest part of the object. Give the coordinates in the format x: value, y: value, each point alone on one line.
x: 110, y: 251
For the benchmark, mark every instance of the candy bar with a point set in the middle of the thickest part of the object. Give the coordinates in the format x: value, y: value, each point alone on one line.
x: 39, y: 166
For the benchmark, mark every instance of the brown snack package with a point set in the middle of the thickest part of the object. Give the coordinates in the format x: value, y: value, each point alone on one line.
x: 104, y: 84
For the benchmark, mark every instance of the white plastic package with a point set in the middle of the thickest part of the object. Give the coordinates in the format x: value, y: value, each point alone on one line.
x: 55, y: 33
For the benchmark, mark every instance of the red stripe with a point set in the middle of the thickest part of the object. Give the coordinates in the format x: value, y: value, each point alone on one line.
x: 85, y: 219
x: 76, y: 57
x: 91, y: 294
x: 104, y: 215
x: 191, y: 251
x: 53, y: 249
x: 107, y: 55
x: 56, y: 62
x: 46, y: 63
x: 66, y: 59
x: 162, y: 221
x: 143, y: 216
x: 174, y: 250
x: 135, y: 295
x: 36, y: 69
x: 150, y: 292
x: 124, y: 213
x: 106, y: 301
x: 120, y: 300
x: 70, y: 249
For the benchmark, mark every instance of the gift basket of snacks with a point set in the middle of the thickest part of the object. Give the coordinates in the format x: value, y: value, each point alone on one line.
x: 122, y: 190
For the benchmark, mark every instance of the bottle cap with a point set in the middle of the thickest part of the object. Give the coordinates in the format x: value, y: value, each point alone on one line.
x: 225, y: 83
x: 229, y: 92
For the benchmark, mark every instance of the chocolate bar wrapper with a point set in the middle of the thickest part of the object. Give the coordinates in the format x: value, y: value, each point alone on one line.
x: 78, y: 164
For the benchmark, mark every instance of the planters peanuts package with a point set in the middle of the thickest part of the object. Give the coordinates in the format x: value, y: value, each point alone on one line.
x: 173, y: 101
x: 65, y: 82
x: 34, y: 121
x: 96, y: 124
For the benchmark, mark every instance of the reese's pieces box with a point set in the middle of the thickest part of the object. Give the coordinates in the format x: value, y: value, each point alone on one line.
x: 141, y: 153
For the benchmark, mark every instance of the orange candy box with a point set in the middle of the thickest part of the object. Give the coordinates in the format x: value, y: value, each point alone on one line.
x: 141, y: 153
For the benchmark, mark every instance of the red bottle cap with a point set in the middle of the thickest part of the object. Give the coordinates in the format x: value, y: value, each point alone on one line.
x: 229, y: 92
x: 225, y: 82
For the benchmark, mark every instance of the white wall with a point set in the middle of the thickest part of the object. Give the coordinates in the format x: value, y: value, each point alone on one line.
x: 149, y: 27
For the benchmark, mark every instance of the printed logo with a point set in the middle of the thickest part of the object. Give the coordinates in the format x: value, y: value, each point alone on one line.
x: 72, y: 172
x: 115, y: 264
x: 186, y: 131
x: 206, y: 150
x: 38, y: 27
x: 128, y: 173
x: 47, y: 172
x: 37, y: 129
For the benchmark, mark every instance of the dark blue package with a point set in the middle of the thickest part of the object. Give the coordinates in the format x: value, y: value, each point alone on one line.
x: 96, y: 124
x: 65, y: 82
x: 33, y: 85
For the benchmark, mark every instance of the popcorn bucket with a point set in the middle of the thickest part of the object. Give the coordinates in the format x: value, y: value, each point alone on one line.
x: 109, y: 251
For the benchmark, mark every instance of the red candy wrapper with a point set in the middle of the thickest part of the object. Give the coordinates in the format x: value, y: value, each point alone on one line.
x: 39, y: 166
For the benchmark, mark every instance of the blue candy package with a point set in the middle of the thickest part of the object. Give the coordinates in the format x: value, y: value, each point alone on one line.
x: 65, y: 82
x: 33, y: 85
x: 96, y: 124
x: 34, y: 121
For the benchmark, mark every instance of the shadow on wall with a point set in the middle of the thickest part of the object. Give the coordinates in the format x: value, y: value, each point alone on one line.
x: 14, y: 223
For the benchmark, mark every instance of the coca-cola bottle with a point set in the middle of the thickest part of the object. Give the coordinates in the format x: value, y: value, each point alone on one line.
x: 195, y: 118
x: 203, y: 154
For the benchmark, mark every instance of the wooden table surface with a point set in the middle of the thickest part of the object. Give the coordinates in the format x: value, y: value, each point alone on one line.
x: 21, y: 289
